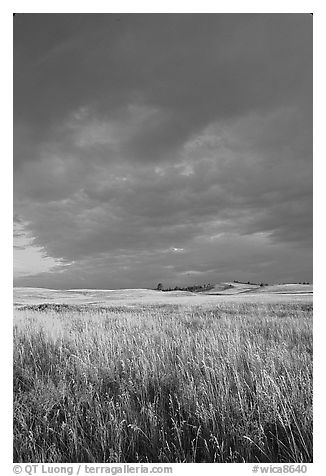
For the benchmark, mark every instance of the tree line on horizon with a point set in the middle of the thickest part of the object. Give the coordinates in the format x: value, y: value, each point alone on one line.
x: 192, y: 288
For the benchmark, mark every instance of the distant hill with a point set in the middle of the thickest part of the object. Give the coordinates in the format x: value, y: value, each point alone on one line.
x: 231, y: 288
x: 293, y: 288
x: 114, y: 297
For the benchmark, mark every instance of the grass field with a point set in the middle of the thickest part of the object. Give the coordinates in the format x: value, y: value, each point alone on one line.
x: 190, y: 380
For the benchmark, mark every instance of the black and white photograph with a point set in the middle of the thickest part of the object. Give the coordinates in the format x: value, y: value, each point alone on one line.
x: 163, y: 240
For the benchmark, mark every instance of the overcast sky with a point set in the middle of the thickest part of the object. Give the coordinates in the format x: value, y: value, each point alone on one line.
x: 162, y: 148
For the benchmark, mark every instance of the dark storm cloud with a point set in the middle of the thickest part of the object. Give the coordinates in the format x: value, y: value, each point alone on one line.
x: 193, y: 68
x: 139, y: 135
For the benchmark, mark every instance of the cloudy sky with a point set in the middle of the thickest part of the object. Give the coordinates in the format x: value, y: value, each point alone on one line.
x: 162, y: 148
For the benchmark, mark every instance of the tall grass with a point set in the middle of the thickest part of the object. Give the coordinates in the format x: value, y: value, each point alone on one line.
x: 164, y: 384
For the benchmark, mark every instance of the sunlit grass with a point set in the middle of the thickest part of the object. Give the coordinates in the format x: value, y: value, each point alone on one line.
x: 164, y: 384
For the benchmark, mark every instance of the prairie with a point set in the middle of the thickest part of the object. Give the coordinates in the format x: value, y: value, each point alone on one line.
x: 144, y: 376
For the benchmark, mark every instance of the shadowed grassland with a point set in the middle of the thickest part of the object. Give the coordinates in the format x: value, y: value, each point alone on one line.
x: 229, y: 383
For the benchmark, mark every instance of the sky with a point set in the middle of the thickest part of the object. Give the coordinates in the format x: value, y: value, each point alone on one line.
x: 172, y: 148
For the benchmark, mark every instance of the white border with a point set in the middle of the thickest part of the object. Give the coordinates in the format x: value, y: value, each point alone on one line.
x: 96, y: 6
